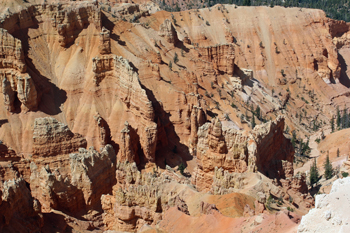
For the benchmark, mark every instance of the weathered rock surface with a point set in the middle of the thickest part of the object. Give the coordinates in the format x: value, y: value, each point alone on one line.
x: 331, y: 212
x: 140, y: 199
x: 104, y: 130
x: 235, y: 152
x: 7, y: 153
x: 14, y: 81
x: 236, y: 59
x: 219, y: 58
x: 91, y: 174
x: 51, y: 138
x: 19, y: 211
x: 105, y: 41
x: 133, y: 96
x: 168, y: 31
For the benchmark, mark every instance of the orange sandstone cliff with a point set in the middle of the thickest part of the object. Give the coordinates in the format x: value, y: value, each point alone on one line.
x: 118, y: 116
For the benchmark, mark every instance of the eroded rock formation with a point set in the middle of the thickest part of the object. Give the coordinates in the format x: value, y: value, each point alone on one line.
x: 168, y: 31
x: 51, y: 137
x: 15, y: 82
x: 219, y: 58
x: 132, y: 95
x: 105, y: 41
x: 91, y: 174
x: 224, y: 156
x: 19, y: 211
x: 140, y: 198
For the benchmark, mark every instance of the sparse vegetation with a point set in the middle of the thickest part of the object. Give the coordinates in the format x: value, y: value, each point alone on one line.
x: 181, y: 168
x: 170, y: 65
x: 176, y: 59
x: 268, y: 203
x: 328, y: 169
x: 313, y: 173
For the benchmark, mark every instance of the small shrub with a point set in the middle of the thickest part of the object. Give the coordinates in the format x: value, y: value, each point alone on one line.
x: 207, y: 23
x: 345, y: 174
x: 170, y: 65
x: 181, y: 168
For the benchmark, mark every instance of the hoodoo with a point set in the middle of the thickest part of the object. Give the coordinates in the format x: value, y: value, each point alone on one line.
x: 139, y: 116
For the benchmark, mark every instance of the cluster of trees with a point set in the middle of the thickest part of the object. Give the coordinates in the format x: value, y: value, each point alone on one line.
x: 342, y: 120
x: 302, y: 148
x: 328, y: 171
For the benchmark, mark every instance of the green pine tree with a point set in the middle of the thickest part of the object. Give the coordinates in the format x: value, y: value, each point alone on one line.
x: 253, y: 121
x: 338, y: 117
x: 328, y: 169
x: 344, y: 122
x: 313, y: 173
x: 176, y: 59
x: 181, y: 168
x: 170, y: 65
x: 332, y: 124
x: 258, y: 112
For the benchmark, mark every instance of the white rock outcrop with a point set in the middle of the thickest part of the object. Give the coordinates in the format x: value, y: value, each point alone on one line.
x: 331, y: 212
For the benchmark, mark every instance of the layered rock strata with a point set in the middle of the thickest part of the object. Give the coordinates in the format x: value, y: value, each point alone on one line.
x: 238, y: 152
x: 168, y: 31
x: 72, y: 19
x: 218, y: 58
x: 140, y: 199
x: 19, y: 211
x: 14, y: 81
x: 133, y: 96
x: 51, y: 138
x: 91, y: 174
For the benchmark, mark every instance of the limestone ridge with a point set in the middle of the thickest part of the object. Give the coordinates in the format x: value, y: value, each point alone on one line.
x: 67, y: 18
x: 19, y: 211
x: 51, y: 138
x: 91, y: 174
x: 14, y: 81
x: 72, y: 19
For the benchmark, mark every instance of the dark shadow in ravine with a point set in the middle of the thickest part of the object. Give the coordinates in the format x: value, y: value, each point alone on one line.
x: 110, y: 26
x: 344, y: 78
x: 170, y: 151
x: 50, y: 97
x: 3, y: 121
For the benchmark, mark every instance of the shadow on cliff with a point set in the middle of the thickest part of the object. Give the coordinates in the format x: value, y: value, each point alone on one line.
x: 110, y: 25
x: 54, y: 222
x: 50, y: 97
x: 344, y: 78
x: 170, y: 151
x: 4, y: 121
